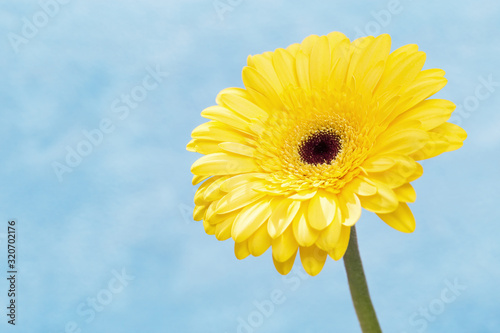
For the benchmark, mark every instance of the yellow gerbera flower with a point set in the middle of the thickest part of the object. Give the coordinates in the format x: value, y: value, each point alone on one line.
x: 321, y: 129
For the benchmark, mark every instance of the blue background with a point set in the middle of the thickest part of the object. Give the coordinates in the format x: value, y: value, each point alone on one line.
x: 126, y: 206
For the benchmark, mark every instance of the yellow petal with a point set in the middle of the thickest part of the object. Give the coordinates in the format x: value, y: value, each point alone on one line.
x: 263, y: 63
x: 235, y: 91
x: 378, y: 163
x: 243, y: 106
x: 328, y: 239
x: 430, y: 113
x: 403, y: 142
x: 436, y: 145
x: 238, y: 180
x: 209, y: 229
x: 361, y: 185
x: 213, y: 192
x: 284, y: 267
x: 268, y: 103
x: 321, y: 210
x: 398, y: 174
x: 368, y: 84
x: 320, y: 67
x: 252, y: 79
x: 215, y: 219
x: 304, y: 233
x: 405, y: 193
x: 199, y: 212
x: 385, y: 201
x: 453, y: 133
x: 224, y: 164
x: 340, y: 57
x: 211, y: 212
x: 293, y: 49
x: 217, y: 131
x: 250, y: 94
x: 308, y: 43
x: 238, y: 198
x: 335, y: 38
x: 387, y: 109
x: 350, y: 206
x: 284, y: 246
x: 302, y: 68
x: 227, y: 117
x: 401, y: 219
x: 204, y: 147
x: 304, y: 194
x: 198, y: 179
x: 284, y: 64
x: 401, y: 69
x: 313, y: 259
x: 237, y: 148
x: 359, y: 46
x: 200, y: 192
x: 259, y: 242
x: 405, y: 49
x: 418, y: 172
x: 444, y: 138
x: 191, y: 146
x: 375, y: 52
x: 241, y: 250
x: 223, y: 229
x: 282, y: 216
x: 339, y: 251
x: 250, y: 219
x: 426, y: 84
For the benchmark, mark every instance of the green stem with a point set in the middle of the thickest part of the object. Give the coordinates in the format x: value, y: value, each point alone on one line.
x: 359, y: 289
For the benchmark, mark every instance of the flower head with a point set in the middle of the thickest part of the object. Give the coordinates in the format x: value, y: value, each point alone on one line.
x: 321, y: 129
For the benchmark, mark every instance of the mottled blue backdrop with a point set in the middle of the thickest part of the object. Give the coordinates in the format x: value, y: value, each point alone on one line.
x: 98, y: 100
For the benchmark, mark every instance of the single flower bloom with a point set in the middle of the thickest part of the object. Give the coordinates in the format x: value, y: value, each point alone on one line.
x: 321, y: 129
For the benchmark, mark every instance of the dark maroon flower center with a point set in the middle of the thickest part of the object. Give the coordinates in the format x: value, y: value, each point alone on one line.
x: 320, y: 147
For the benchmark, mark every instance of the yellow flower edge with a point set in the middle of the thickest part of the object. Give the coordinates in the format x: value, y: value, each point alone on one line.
x: 320, y: 130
